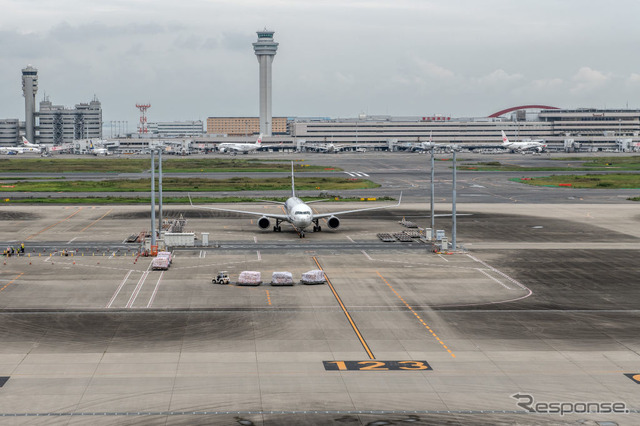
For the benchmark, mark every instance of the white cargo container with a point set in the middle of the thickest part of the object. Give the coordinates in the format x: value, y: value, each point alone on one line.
x: 315, y: 276
x: 282, y: 278
x: 165, y: 254
x: 160, y: 263
x: 249, y: 278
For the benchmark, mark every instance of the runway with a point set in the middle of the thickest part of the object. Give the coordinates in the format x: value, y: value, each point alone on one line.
x: 542, y: 302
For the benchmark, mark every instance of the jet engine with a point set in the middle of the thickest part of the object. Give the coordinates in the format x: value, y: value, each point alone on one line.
x: 333, y: 222
x: 264, y: 222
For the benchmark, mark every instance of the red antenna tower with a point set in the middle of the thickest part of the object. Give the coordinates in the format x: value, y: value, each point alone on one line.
x: 143, y: 117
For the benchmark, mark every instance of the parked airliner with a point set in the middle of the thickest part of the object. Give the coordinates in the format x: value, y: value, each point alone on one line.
x: 530, y: 145
x: 243, y: 148
x: 297, y: 213
x: 27, y: 147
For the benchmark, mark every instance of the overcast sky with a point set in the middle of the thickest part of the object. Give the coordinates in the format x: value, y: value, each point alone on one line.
x: 193, y: 59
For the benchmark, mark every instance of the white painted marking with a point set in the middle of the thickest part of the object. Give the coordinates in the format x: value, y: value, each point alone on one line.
x: 71, y: 240
x: 494, y: 278
x: 255, y: 239
x: 119, y: 288
x: 155, y: 290
x: 443, y: 258
x: 349, y: 238
x: 350, y: 174
x: 259, y: 256
x: 112, y: 255
x: 522, y: 286
x: 136, y: 291
x: 364, y: 174
x: 366, y: 255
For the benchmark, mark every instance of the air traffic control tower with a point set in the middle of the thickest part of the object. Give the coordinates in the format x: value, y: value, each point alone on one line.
x: 29, y: 90
x: 265, y: 49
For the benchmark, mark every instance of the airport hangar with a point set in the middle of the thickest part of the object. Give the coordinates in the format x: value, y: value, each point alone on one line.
x: 542, y: 304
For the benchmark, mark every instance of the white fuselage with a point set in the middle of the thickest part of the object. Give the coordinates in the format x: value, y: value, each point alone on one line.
x: 238, y: 147
x: 519, y: 146
x: 299, y: 213
x: 20, y: 150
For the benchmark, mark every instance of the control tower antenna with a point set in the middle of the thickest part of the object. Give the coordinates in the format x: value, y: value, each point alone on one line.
x: 265, y: 49
x: 143, y: 117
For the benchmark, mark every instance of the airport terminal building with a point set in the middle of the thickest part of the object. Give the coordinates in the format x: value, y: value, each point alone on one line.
x: 589, y: 128
x: 595, y: 128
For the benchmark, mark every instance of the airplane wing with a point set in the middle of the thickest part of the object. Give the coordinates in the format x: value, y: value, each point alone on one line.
x: 317, y: 201
x: 272, y: 202
x: 271, y: 215
x: 271, y: 146
x: 320, y: 216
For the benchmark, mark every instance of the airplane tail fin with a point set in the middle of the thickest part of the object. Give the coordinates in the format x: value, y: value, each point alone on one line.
x: 505, y: 139
x: 293, y: 184
x: 259, y: 141
x: 25, y: 141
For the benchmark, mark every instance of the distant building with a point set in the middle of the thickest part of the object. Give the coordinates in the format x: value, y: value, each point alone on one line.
x: 176, y: 129
x: 60, y: 125
x: 593, y: 122
x: 9, y: 132
x: 243, y: 126
x: 553, y: 125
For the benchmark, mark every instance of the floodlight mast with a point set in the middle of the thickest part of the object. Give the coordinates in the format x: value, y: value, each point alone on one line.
x: 453, y: 205
x: 153, y: 199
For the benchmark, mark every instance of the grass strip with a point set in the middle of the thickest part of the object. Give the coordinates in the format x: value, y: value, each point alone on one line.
x: 139, y: 165
x: 189, y: 184
x: 601, y: 181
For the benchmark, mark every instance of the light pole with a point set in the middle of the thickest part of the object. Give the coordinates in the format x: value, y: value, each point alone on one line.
x: 153, y: 199
x: 160, y: 191
x: 453, y: 205
x: 433, y: 219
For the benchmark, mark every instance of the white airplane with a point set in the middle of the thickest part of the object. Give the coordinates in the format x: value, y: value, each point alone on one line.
x: 428, y: 146
x: 243, y: 148
x: 297, y: 213
x: 32, y: 147
x: 327, y: 147
x: 27, y: 147
x: 425, y: 146
x: 98, y: 150
x: 527, y: 145
x: 331, y: 148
